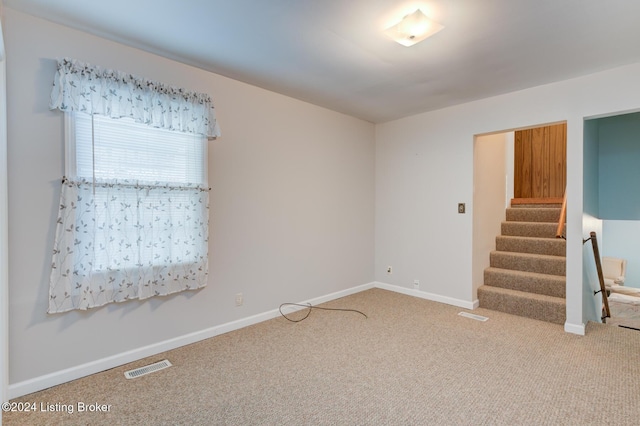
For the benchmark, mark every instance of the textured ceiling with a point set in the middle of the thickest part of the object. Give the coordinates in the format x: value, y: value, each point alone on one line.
x: 333, y: 53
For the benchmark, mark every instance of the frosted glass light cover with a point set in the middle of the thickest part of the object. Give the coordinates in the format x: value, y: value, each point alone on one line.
x: 413, y: 28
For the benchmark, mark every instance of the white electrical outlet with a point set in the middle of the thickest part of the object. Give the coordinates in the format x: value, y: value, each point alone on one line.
x: 239, y: 299
x: 389, y: 270
x: 416, y: 284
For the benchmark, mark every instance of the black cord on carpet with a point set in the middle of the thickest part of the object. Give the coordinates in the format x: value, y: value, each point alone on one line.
x: 631, y: 328
x: 311, y: 307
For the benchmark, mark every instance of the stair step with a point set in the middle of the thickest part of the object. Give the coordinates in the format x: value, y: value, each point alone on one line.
x: 540, y: 263
x: 532, y: 282
x: 529, y: 229
x: 542, y: 202
x: 536, y: 306
x: 529, y: 214
x: 534, y: 245
x: 528, y: 267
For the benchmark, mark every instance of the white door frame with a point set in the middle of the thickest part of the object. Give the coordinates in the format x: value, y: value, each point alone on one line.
x: 4, y: 230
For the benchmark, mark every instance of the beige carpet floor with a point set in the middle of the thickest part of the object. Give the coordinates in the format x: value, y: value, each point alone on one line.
x: 411, y: 362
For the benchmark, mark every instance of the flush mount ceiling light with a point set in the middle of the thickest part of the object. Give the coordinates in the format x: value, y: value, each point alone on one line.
x: 413, y: 28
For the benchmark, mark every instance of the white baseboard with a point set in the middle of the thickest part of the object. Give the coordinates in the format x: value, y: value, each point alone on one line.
x: 48, y: 380
x: 63, y: 376
x: 428, y: 296
x: 574, y: 328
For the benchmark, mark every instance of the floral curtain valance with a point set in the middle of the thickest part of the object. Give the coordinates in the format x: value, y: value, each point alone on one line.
x: 94, y: 90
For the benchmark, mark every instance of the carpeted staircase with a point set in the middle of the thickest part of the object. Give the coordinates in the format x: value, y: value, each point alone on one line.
x: 526, y: 275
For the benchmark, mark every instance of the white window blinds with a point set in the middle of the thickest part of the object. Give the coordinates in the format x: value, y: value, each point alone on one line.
x: 123, y: 149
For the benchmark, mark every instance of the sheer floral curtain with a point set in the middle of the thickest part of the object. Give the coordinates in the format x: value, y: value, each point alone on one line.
x: 121, y: 239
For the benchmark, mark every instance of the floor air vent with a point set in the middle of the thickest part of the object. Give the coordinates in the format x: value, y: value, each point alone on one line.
x: 132, y: 374
x: 473, y: 316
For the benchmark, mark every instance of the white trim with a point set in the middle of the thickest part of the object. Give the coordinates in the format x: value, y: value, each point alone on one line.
x: 578, y: 329
x: 4, y: 230
x: 428, y: 296
x: 43, y: 382
x: 69, y: 145
x: 63, y: 376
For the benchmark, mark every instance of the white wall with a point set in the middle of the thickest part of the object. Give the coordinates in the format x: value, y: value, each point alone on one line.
x: 291, y: 207
x: 490, y: 192
x: 424, y: 167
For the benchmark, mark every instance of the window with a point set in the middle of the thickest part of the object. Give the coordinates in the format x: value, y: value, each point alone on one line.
x: 134, y: 207
x: 131, y: 164
x: 140, y: 210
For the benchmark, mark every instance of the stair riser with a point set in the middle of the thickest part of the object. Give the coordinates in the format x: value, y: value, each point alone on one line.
x: 535, y: 309
x: 522, y: 214
x: 543, y: 265
x: 553, y: 247
x: 550, y: 285
x: 529, y: 229
x: 536, y: 206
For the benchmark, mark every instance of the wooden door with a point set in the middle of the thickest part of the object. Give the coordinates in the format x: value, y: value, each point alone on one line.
x: 540, y: 164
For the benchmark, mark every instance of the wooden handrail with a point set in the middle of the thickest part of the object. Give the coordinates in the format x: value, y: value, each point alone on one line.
x: 603, y: 289
x: 563, y: 216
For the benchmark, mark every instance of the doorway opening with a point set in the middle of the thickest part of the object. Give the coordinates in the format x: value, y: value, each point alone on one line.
x: 611, y: 186
x: 516, y: 166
